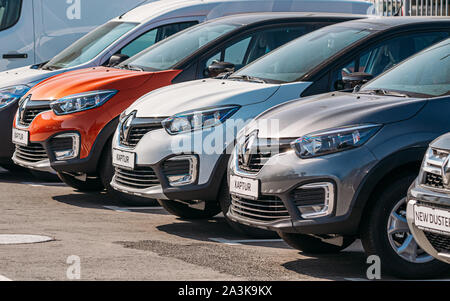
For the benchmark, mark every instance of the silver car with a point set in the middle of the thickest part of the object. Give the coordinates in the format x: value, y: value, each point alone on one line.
x: 428, y: 210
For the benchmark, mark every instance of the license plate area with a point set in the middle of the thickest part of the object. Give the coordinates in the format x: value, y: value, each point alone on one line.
x: 432, y: 218
x: 20, y: 137
x: 244, y: 187
x: 123, y: 159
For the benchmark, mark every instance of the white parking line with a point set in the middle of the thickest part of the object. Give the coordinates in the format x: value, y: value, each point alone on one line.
x: 3, y: 278
x: 34, y: 184
x: 236, y: 242
x: 130, y: 209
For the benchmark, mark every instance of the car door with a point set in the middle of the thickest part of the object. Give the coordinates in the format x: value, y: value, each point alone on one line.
x: 16, y: 33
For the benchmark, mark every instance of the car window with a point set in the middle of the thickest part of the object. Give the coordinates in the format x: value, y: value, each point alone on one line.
x: 384, y: 55
x: 153, y: 36
x: 9, y: 13
x: 256, y: 44
x: 427, y: 73
x: 294, y: 60
x: 91, y: 45
x: 168, y: 53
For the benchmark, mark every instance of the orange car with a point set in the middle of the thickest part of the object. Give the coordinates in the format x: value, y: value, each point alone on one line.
x: 65, y: 123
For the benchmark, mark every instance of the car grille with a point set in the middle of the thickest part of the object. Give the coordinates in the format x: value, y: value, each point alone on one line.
x: 265, y: 209
x: 140, y: 178
x: 32, y: 110
x: 433, y: 180
x: 261, y: 153
x: 138, y: 128
x: 32, y: 153
x: 432, y: 168
x: 440, y: 243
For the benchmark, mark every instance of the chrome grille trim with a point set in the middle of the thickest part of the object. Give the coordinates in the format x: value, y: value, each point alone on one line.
x: 265, y: 209
x: 141, y: 178
x: 32, y: 153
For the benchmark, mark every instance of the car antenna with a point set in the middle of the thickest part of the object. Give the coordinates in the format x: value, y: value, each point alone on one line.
x: 140, y: 3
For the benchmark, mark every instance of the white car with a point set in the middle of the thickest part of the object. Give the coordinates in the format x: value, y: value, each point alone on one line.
x: 34, y: 31
x: 186, y: 156
x: 131, y: 33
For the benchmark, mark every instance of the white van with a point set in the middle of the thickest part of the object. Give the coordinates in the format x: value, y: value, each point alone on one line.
x: 33, y: 31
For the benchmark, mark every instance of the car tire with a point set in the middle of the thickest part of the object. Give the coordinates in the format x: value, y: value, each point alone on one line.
x: 186, y: 212
x: 387, y: 205
x: 225, y: 203
x: 314, y: 245
x: 106, y: 174
x: 90, y: 185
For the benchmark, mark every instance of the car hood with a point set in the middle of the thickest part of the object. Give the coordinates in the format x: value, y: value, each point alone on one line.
x: 24, y: 76
x: 331, y: 110
x: 91, y: 79
x: 200, y: 94
x: 443, y: 142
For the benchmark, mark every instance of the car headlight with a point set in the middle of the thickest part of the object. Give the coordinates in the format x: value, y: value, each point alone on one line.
x: 333, y: 140
x: 81, y: 102
x: 196, y: 120
x: 10, y: 95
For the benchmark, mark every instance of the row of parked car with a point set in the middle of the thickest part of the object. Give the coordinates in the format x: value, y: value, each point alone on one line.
x: 310, y: 126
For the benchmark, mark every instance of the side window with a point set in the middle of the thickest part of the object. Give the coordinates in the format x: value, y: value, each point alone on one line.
x: 154, y: 36
x: 391, y: 52
x: 383, y: 56
x: 9, y: 13
x: 250, y: 47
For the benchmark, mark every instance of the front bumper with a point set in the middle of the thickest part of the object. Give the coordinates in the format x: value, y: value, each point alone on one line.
x: 284, y: 173
x: 422, y: 195
x: 154, y: 150
x: 88, y: 145
x: 43, y: 165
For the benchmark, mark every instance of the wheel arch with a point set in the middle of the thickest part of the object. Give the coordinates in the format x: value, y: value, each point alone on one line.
x: 395, y: 166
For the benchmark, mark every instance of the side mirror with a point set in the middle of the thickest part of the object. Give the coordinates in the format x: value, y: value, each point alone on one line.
x: 116, y: 59
x: 217, y: 68
x: 350, y: 81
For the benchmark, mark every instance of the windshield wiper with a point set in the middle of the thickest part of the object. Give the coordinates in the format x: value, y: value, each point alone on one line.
x: 51, y: 68
x: 384, y: 92
x: 248, y: 78
x: 132, y: 68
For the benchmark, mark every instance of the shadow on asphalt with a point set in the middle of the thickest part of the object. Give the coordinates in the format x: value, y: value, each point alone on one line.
x: 97, y: 200
x: 217, y: 227
x: 341, y: 265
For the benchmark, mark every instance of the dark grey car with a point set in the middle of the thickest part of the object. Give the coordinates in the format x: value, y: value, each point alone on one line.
x: 345, y: 163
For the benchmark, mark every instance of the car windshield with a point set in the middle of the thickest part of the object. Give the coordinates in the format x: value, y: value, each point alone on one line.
x: 89, y: 46
x: 299, y: 57
x: 426, y: 74
x: 168, y: 53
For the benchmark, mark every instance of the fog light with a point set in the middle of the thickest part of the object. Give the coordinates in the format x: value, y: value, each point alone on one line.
x: 314, y: 200
x: 181, y: 170
x: 65, y: 146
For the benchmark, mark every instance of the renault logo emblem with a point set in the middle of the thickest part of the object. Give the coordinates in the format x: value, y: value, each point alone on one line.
x: 23, y: 106
x: 248, y: 148
x: 126, y: 126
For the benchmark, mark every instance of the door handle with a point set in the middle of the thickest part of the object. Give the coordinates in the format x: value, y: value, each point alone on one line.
x: 15, y: 56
